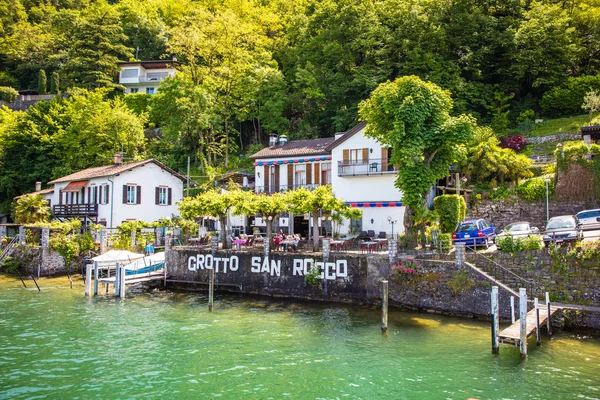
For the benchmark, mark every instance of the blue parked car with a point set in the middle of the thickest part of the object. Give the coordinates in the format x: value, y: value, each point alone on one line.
x: 475, y: 232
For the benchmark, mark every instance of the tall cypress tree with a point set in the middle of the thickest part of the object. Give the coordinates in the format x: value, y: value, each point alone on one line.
x: 55, y: 83
x: 42, y: 82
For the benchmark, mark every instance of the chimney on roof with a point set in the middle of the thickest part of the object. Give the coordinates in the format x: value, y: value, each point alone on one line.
x: 118, y: 160
x: 38, y: 186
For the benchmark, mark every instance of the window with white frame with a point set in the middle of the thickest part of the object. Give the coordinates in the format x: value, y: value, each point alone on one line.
x: 104, y: 194
x: 163, y: 196
x: 133, y: 90
x: 149, y: 90
x: 300, y: 177
x: 356, y: 156
x: 325, y: 173
x: 131, y: 194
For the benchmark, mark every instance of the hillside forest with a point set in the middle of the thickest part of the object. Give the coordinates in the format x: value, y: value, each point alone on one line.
x: 251, y: 68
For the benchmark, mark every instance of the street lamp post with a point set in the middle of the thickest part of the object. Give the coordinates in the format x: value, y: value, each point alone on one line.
x: 547, y: 180
x: 392, y: 221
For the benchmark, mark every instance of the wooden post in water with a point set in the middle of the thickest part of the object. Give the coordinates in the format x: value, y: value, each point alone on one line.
x: 34, y: 281
x: 523, y: 320
x: 384, y: 307
x: 88, y: 279
x: 538, y: 335
x: 495, y: 321
x: 512, y: 309
x: 122, y: 285
x: 548, y: 320
x: 95, y: 278
x: 211, y: 288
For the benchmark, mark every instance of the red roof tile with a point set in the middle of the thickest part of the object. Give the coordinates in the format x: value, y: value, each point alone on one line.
x: 296, y: 148
x: 111, y: 170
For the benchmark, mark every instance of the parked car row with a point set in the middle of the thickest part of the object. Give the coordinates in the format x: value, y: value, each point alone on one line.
x: 564, y: 228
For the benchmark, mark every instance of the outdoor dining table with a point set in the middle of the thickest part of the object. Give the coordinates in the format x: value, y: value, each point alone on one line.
x: 380, y: 242
x: 337, y: 244
x: 286, y: 243
x: 370, y: 246
x: 239, y: 242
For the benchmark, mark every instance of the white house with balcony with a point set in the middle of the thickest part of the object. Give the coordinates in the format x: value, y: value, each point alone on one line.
x: 109, y: 195
x: 290, y: 165
x: 145, y: 76
x: 364, y: 177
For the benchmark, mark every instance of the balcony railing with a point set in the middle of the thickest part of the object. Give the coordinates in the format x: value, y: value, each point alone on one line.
x: 153, y: 77
x: 75, y: 209
x: 284, y: 188
x: 375, y: 166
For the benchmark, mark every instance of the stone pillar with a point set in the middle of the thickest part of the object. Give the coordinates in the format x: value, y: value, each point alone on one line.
x: 103, y: 240
x: 158, y: 234
x: 392, y: 250
x: 2, y: 231
x: 326, y: 249
x: 459, y: 249
x: 45, y: 240
x: 587, y: 139
x: 214, y: 244
x: 22, y: 235
x: 133, y: 237
x: 267, y: 244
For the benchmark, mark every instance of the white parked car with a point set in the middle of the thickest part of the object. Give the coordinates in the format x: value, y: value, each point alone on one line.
x: 519, y: 230
x: 589, y: 217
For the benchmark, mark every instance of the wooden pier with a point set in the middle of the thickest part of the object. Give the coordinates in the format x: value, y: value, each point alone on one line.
x: 512, y: 334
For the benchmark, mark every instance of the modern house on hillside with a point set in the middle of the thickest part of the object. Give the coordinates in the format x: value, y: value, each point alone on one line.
x: 357, y: 168
x: 143, y: 190
x: 145, y: 76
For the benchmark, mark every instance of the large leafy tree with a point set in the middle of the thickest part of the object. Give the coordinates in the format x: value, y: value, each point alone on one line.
x: 212, y: 203
x: 320, y: 202
x: 413, y: 117
x: 97, y: 44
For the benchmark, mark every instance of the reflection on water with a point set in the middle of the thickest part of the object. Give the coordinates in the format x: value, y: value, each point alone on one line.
x: 161, y: 344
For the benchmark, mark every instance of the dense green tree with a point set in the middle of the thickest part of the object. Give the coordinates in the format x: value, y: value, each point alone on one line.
x: 97, y: 44
x: 413, y: 117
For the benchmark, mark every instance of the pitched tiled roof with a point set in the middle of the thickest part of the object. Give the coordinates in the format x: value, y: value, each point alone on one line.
x: 347, y: 135
x: 42, y: 192
x: 111, y: 170
x: 296, y: 148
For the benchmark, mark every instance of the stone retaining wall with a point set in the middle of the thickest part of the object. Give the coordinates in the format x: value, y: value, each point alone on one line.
x: 559, y: 137
x: 573, y: 285
x: 503, y: 212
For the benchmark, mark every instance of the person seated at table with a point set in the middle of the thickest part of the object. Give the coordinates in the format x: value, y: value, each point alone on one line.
x: 230, y: 239
x: 294, y: 247
x: 277, y: 240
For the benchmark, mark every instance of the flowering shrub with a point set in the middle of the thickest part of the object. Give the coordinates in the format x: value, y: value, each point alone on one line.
x: 515, y: 142
x: 405, y: 271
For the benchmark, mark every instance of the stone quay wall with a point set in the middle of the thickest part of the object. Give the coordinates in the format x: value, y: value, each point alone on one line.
x: 347, y: 278
x: 558, y: 137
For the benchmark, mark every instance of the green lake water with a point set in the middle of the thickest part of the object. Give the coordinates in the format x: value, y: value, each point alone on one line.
x: 57, y: 344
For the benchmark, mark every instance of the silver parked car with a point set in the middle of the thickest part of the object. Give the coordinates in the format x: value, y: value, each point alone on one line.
x: 589, y: 217
x: 520, y: 229
x: 565, y: 228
